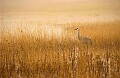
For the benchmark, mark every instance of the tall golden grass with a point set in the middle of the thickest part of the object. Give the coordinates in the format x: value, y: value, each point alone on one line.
x: 28, y: 56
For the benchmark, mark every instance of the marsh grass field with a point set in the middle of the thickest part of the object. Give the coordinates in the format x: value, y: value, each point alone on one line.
x: 26, y: 55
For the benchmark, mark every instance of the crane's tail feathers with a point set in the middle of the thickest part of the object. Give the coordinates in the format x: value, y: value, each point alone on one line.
x: 91, y: 43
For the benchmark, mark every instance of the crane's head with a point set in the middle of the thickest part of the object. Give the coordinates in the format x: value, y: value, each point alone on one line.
x: 77, y: 29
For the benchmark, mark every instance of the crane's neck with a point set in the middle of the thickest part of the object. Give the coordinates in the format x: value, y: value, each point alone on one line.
x: 78, y: 33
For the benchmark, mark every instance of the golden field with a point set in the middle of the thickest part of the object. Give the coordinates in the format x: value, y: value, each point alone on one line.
x: 25, y: 55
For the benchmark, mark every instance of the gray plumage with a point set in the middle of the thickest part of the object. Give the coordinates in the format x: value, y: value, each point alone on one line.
x: 83, y: 39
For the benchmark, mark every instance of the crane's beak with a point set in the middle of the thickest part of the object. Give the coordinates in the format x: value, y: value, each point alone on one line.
x: 75, y: 29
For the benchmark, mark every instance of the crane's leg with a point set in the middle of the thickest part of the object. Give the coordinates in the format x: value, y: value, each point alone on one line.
x: 86, y: 49
x: 87, y: 61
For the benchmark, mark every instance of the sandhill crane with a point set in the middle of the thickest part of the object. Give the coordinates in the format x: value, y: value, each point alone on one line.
x: 83, y: 39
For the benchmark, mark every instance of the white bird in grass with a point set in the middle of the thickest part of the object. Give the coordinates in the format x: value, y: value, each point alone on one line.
x: 83, y: 39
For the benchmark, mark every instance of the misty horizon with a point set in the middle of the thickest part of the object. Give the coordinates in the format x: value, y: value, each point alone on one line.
x: 59, y: 5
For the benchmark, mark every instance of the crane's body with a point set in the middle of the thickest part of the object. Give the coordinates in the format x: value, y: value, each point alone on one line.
x: 83, y: 39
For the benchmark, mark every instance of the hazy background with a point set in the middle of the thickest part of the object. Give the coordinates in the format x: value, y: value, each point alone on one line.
x: 60, y: 5
x: 33, y: 13
x: 69, y: 8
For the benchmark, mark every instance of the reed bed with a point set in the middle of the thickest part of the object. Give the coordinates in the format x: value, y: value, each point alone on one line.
x: 28, y: 56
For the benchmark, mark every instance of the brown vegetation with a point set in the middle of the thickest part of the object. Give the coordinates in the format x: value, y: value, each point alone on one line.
x: 27, y: 56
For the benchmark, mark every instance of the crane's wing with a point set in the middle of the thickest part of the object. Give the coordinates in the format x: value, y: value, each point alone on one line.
x: 86, y: 40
